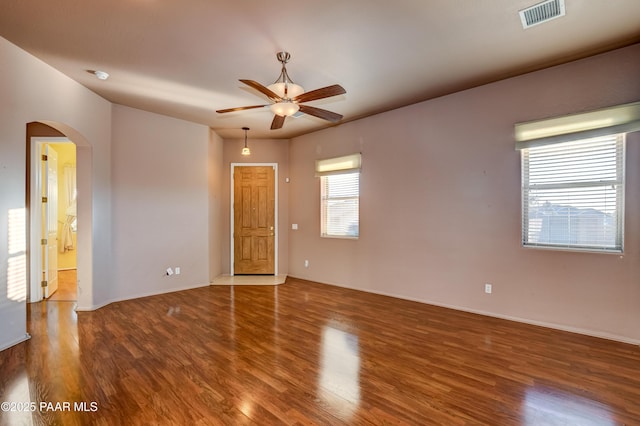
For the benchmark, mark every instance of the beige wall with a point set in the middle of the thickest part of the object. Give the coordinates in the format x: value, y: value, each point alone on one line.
x: 440, y: 212
x: 216, y: 212
x: 262, y: 151
x: 160, y: 203
x: 159, y: 219
x: 440, y: 205
x: 33, y: 91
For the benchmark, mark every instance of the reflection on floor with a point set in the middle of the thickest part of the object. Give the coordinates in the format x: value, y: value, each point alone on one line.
x: 305, y: 353
x: 67, y: 286
x: 249, y: 280
x: 549, y: 406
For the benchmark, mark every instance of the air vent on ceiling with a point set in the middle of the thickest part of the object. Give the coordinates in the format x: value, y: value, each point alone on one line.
x: 541, y: 12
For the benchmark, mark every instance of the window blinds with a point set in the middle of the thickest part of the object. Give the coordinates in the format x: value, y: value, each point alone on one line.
x: 573, y: 194
x: 340, y: 205
x: 340, y: 195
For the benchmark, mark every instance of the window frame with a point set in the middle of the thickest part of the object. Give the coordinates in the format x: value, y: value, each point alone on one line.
x: 618, y: 248
x: 324, y: 199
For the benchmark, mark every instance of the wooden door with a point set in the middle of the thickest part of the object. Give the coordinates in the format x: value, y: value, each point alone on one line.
x: 254, y: 220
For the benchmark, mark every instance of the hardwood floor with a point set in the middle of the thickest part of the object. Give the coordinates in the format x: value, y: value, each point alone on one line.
x: 305, y: 353
x: 67, y: 286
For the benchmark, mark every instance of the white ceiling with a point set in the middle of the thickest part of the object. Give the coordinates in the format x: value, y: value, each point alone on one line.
x: 184, y: 58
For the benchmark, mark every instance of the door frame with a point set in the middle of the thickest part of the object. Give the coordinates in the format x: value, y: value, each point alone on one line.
x: 35, y: 215
x: 275, y: 214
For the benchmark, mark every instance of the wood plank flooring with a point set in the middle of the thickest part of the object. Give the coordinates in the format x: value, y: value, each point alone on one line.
x: 67, y: 286
x: 304, y: 353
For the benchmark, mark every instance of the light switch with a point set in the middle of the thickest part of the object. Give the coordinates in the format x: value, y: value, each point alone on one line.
x: 294, y: 226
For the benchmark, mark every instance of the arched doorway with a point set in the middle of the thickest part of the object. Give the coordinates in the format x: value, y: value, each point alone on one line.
x: 84, y: 260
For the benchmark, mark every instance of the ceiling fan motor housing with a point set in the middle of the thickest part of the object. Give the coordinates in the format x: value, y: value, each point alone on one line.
x: 283, y: 57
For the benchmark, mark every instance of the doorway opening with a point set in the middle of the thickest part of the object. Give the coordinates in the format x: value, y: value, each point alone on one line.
x: 53, y: 220
x: 55, y: 132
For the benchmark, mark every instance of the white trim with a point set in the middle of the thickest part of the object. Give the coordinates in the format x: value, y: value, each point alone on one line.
x: 24, y: 338
x: 577, y: 330
x: 554, y: 326
x: 93, y: 307
x: 249, y: 280
x: 139, y: 296
x: 275, y: 219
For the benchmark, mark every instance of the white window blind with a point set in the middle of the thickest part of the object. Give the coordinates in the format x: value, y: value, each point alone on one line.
x: 340, y: 200
x: 573, y: 194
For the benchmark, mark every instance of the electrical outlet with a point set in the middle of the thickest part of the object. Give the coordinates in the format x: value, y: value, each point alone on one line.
x: 294, y: 226
x: 169, y: 272
x: 306, y: 263
x: 177, y: 270
x: 488, y: 288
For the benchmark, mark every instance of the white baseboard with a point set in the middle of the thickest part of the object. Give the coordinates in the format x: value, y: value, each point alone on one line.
x: 137, y: 296
x: 249, y: 279
x: 92, y: 307
x: 586, y: 332
x: 601, y: 335
x: 24, y: 338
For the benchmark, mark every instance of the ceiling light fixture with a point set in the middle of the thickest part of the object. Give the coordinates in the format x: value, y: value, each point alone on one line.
x: 101, y: 75
x: 286, y: 89
x: 245, y: 150
x: 285, y: 108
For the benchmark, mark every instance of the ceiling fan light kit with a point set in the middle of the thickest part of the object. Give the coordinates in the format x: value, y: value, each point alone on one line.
x: 100, y: 75
x: 286, y: 90
x: 284, y: 108
x: 287, y: 97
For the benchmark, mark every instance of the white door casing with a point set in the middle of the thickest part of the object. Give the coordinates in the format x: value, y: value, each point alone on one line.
x: 50, y: 221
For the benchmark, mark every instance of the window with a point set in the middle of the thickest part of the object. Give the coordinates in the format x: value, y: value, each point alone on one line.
x: 573, y: 178
x: 572, y: 194
x: 340, y: 196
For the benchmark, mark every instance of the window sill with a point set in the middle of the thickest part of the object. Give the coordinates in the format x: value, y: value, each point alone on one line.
x: 339, y: 237
x: 573, y: 249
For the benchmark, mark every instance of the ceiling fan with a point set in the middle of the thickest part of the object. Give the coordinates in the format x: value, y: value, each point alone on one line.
x: 287, y: 98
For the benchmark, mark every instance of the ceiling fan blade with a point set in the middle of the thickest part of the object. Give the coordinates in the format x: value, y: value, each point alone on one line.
x: 221, y: 111
x: 260, y: 88
x: 325, y: 92
x: 278, y: 121
x: 321, y: 113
